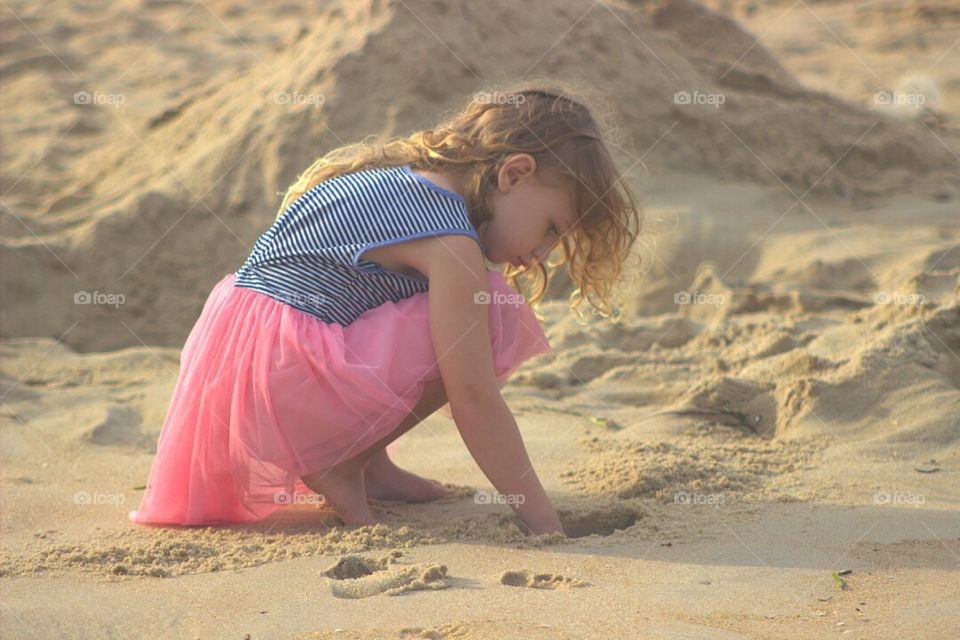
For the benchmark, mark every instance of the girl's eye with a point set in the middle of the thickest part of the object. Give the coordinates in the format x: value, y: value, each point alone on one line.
x: 553, y: 228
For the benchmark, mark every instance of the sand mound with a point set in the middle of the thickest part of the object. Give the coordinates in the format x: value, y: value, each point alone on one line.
x: 163, y: 552
x: 863, y: 52
x: 296, y: 532
x: 723, y: 467
x: 781, y: 372
x: 198, y: 175
x: 302, y: 533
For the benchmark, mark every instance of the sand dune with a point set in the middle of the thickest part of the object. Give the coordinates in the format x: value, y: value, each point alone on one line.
x: 198, y: 174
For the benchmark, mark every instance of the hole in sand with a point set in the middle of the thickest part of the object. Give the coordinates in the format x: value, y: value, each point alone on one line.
x: 602, y: 521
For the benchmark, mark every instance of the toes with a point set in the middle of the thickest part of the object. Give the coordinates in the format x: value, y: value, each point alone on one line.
x: 356, y: 519
x: 441, y: 490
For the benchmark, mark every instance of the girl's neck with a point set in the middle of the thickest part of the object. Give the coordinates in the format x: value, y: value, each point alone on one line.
x: 446, y: 180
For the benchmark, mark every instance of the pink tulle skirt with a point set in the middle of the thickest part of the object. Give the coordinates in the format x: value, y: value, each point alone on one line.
x: 267, y: 394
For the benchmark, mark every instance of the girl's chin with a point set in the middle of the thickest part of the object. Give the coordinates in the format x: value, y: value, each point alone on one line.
x: 500, y: 260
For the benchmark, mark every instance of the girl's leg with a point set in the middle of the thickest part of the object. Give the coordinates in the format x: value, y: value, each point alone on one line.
x: 433, y: 397
x: 386, y: 481
x: 371, y: 474
x: 343, y: 488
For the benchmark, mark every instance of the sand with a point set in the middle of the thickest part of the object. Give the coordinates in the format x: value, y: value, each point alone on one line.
x: 781, y: 401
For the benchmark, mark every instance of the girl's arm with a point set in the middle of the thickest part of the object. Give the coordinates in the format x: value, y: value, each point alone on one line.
x: 459, y: 325
x: 490, y: 432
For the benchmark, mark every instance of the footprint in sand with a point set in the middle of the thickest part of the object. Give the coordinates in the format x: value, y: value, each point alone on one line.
x: 539, y: 580
x: 358, y: 577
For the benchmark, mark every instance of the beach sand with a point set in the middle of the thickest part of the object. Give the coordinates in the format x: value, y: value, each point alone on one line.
x: 766, y: 446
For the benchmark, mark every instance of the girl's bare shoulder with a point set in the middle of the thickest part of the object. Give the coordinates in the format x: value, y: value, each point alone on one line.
x: 423, y: 256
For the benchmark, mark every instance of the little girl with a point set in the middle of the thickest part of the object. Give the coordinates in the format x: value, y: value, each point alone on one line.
x: 368, y: 305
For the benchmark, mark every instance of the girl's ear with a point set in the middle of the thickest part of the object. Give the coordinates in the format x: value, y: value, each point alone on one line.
x: 507, y: 176
x: 519, y: 165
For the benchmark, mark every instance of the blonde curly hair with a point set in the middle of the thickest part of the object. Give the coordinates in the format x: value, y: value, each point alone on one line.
x: 566, y: 140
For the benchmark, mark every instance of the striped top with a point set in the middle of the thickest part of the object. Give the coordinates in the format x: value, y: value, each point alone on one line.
x: 310, y: 257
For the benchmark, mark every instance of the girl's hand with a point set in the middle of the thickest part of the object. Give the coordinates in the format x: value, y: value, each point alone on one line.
x: 549, y: 523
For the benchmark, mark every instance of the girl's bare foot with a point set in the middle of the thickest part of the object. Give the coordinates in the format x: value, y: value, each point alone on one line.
x: 387, y: 481
x: 343, y: 488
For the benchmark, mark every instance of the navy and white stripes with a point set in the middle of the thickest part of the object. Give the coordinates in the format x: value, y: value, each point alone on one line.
x: 309, y: 258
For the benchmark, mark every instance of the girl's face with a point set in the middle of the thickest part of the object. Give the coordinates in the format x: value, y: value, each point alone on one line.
x: 529, y: 216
